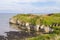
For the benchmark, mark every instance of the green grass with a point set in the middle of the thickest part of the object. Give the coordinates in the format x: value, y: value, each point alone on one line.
x: 43, y: 37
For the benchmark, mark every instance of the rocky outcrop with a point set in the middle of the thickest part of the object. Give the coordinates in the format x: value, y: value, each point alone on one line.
x: 37, y: 27
x: 13, y: 21
x: 43, y: 28
x: 47, y: 30
x: 29, y: 27
x: 19, y: 22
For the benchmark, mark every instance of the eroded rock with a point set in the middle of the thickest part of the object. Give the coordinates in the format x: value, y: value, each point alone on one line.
x: 13, y: 21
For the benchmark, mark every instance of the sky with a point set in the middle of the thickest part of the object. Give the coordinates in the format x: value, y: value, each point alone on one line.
x: 29, y: 6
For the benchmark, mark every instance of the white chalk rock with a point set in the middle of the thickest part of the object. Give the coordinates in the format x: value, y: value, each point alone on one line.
x: 27, y: 24
x: 37, y: 27
x: 12, y: 20
x: 42, y: 26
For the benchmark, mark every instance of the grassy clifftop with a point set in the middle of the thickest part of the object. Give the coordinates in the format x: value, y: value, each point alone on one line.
x: 47, y: 19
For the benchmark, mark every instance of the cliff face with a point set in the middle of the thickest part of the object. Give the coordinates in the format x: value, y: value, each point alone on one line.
x: 36, y: 22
